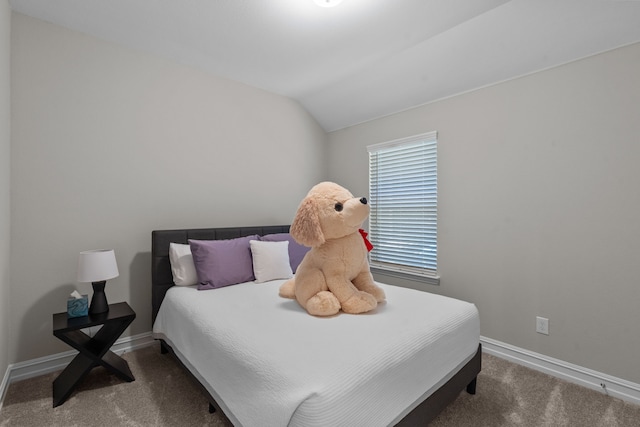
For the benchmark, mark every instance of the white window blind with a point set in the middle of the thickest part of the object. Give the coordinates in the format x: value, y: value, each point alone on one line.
x: 403, y: 191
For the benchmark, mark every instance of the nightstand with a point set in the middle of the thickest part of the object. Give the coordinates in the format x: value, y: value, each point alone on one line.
x: 93, y: 351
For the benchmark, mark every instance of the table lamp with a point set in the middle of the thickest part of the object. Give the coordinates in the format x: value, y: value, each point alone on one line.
x: 97, y: 267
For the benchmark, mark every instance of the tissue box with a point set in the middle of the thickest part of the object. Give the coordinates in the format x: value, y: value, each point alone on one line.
x: 78, y: 307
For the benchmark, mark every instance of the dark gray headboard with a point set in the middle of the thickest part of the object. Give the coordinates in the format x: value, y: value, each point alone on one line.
x: 161, y: 277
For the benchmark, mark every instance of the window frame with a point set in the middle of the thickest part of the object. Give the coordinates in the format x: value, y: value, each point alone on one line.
x: 430, y: 142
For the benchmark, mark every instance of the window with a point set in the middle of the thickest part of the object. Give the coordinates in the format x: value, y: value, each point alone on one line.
x: 403, y: 189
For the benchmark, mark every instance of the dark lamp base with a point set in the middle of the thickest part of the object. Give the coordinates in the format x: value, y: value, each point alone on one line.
x: 99, y: 302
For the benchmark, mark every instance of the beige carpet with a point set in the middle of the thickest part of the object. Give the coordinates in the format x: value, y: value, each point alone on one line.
x: 162, y: 395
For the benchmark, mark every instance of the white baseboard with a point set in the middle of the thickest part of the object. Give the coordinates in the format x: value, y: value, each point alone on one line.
x: 44, y: 365
x: 3, y: 386
x: 594, y: 380
x: 607, y: 384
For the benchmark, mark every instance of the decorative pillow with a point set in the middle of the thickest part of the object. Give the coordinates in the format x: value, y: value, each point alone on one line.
x: 221, y: 263
x: 296, y: 250
x: 184, y: 272
x: 270, y: 260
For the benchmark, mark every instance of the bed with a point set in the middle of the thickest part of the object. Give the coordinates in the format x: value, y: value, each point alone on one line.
x: 262, y: 360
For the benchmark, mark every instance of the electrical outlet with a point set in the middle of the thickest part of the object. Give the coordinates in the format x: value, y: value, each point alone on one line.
x: 542, y: 325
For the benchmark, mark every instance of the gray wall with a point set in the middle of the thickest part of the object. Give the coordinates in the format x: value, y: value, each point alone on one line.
x: 538, y: 185
x: 5, y: 150
x: 538, y: 205
x: 110, y: 144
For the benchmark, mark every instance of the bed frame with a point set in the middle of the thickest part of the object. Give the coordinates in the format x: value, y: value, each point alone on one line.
x: 162, y: 280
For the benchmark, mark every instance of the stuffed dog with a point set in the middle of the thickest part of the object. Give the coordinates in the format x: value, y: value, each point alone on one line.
x: 335, y: 273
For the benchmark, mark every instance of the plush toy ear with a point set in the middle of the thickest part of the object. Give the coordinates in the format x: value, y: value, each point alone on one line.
x: 305, y: 228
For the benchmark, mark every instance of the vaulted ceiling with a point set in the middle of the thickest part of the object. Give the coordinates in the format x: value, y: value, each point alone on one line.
x: 362, y: 59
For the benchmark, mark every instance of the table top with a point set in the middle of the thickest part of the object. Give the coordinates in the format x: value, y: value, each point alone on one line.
x: 117, y: 311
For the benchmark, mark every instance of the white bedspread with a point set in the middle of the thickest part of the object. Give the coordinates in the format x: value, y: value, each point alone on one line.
x: 269, y: 363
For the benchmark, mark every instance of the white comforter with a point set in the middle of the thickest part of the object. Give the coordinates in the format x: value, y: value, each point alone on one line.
x: 269, y: 363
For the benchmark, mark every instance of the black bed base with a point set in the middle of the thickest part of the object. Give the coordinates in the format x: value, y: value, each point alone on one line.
x: 431, y: 407
x: 213, y: 405
x: 421, y: 415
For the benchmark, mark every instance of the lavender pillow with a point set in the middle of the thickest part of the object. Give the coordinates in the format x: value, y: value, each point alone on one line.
x: 296, y: 250
x: 222, y: 262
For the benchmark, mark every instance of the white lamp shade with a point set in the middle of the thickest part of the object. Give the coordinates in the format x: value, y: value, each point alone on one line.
x: 97, y: 265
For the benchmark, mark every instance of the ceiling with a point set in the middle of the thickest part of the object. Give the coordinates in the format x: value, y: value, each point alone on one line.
x: 362, y: 59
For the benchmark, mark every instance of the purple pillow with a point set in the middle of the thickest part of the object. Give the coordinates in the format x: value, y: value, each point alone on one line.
x: 222, y: 262
x: 296, y: 250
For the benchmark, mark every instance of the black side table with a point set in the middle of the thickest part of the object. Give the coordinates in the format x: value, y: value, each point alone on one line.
x: 94, y: 351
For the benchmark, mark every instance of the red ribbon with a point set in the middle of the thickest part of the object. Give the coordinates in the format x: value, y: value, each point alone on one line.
x: 367, y: 243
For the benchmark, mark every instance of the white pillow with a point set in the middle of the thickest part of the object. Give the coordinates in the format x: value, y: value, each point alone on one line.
x: 270, y: 260
x: 182, y: 267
